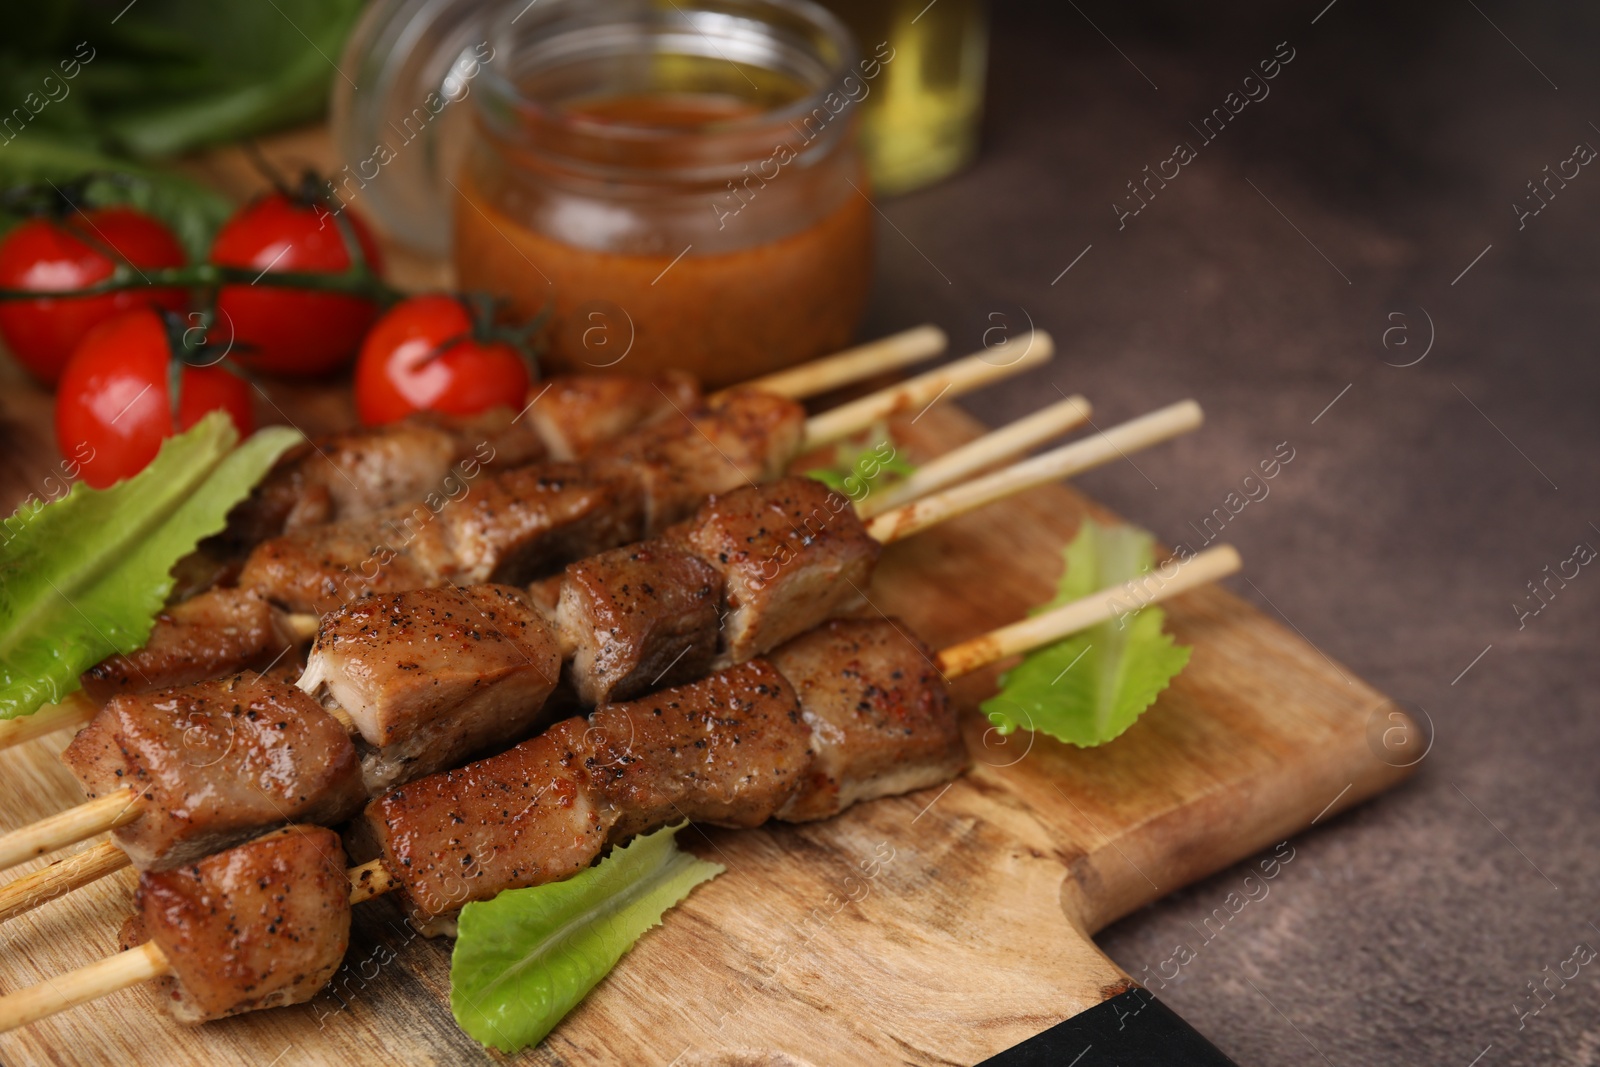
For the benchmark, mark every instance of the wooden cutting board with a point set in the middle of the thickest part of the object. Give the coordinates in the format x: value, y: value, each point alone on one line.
x: 940, y: 927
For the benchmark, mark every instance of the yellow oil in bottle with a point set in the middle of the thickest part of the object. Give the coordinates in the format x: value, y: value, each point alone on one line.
x: 920, y: 122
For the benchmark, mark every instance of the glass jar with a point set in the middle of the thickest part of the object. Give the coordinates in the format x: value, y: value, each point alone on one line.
x: 679, y: 183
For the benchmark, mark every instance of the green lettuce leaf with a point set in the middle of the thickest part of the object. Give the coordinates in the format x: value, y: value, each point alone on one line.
x: 84, y: 576
x: 527, y: 957
x: 1091, y: 687
x: 856, y: 468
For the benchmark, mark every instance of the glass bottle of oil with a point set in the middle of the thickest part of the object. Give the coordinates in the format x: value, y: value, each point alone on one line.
x: 920, y: 121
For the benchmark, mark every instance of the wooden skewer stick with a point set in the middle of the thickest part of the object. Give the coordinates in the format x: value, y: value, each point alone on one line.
x: 853, y: 364
x: 371, y: 879
x: 997, y: 446
x: 954, y: 379
x: 301, y: 627
x: 1063, y: 462
x: 98, y: 979
x: 147, y: 961
x: 61, y: 877
x: 117, y: 808
x: 75, y: 709
x: 1166, y: 581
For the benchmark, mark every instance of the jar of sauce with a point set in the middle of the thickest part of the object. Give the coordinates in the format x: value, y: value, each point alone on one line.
x: 678, y: 184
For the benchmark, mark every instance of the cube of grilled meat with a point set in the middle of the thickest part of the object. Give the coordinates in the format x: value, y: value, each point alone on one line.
x: 497, y: 438
x: 318, y: 569
x: 504, y: 528
x: 525, y: 817
x: 734, y: 439
x: 259, y: 926
x: 576, y: 412
x: 730, y: 750
x: 791, y: 554
x: 342, y: 475
x: 531, y: 521
x: 216, y: 762
x: 358, y: 472
x: 637, y: 618
x: 434, y: 676
x: 881, y: 718
x: 217, y: 632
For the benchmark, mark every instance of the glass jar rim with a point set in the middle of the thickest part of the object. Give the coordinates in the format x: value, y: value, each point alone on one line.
x: 504, y: 105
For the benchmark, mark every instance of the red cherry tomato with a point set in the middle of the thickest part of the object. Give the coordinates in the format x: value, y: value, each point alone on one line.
x: 52, y: 256
x: 402, y: 367
x: 291, y: 331
x: 113, y: 405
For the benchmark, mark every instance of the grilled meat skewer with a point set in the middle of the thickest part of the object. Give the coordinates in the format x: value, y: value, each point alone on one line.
x: 851, y: 711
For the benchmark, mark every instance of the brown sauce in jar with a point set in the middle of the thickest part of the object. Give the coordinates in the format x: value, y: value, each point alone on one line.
x: 772, y: 273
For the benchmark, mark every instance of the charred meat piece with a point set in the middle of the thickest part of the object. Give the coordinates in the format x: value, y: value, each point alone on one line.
x: 259, y: 926
x: 729, y: 750
x: 216, y: 763
x: 434, y: 676
x: 497, y: 439
x: 319, y: 569
x: 880, y: 717
x: 217, y: 632
x: 734, y: 440
x: 527, y: 522
x: 525, y: 817
x: 506, y: 528
x: 359, y: 472
x: 581, y: 411
x: 791, y: 554
x: 637, y: 618
x: 343, y: 475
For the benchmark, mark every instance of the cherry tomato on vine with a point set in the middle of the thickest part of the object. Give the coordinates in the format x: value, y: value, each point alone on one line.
x: 75, y: 252
x: 292, y: 331
x: 428, y: 354
x: 113, y: 397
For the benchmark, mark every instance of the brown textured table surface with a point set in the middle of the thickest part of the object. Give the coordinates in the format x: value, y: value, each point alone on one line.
x: 1370, y: 190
